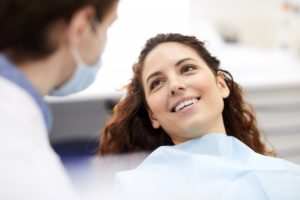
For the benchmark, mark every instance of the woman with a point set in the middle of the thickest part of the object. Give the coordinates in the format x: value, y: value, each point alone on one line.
x: 203, y: 136
x: 46, y: 48
x: 130, y: 128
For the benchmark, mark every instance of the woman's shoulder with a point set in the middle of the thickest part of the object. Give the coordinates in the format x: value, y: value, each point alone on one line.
x: 275, y: 164
x: 185, y: 168
x: 227, y: 151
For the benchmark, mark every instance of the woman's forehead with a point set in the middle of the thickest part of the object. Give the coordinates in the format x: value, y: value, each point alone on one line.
x: 170, y: 50
x: 167, y: 55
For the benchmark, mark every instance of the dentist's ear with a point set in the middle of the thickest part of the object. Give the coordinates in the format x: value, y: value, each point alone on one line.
x: 78, y: 24
x: 154, y: 121
x: 223, y: 88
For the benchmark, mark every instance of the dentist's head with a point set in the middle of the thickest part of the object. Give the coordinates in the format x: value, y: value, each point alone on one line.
x: 57, y: 44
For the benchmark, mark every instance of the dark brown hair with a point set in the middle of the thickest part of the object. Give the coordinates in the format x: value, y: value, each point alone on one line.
x: 130, y: 129
x: 25, y: 24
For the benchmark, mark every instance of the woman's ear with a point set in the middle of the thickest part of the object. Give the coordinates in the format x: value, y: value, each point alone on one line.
x: 154, y: 121
x: 223, y: 88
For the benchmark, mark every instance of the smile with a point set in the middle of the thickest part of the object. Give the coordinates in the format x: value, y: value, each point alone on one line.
x: 185, y: 103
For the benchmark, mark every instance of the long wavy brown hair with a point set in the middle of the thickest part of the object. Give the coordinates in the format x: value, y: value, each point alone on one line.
x: 130, y: 130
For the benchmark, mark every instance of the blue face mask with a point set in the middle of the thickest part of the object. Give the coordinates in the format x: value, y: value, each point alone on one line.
x: 83, y: 76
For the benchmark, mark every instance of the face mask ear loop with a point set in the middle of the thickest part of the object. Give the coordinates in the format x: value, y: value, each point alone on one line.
x: 76, y: 56
x: 95, y: 23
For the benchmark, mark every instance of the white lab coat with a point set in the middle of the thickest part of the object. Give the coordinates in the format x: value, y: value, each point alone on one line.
x: 214, y: 166
x: 29, y: 168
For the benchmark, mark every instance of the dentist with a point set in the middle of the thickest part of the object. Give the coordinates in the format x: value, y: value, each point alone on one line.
x: 46, y: 48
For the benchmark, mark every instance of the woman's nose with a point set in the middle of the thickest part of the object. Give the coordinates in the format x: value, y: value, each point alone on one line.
x: 176, y: 86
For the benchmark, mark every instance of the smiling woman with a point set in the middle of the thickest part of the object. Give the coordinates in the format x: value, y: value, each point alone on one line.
x: 172, y: 71
x: 185, y: 98
x: 201, y: 134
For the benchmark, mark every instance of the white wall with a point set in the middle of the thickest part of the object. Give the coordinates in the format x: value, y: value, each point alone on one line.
x: 255, y: 22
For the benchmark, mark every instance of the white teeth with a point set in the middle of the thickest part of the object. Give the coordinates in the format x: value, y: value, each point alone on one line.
x: 185, y: 103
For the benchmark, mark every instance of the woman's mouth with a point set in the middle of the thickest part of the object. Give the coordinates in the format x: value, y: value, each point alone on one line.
x: 184, y: 104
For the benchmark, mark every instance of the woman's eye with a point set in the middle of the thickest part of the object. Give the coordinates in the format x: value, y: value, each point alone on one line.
x: 187, y: 68
x: 155, y: 83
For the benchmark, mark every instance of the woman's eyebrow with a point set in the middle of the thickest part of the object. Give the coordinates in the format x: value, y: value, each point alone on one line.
x: 152, y: 75
x: 176, y: 64
x: 182, y: 61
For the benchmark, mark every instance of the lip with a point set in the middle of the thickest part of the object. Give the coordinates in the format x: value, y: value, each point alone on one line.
x: 181, y: 100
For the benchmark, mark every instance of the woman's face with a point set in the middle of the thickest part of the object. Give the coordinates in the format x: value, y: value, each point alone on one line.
x: 184, y: 97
